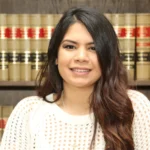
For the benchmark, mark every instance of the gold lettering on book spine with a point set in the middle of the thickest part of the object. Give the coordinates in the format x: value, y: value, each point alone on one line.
x: 143, y: 46
x: 3, y: 48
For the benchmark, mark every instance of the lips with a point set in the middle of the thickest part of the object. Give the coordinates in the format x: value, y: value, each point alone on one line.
x: 81, y: 70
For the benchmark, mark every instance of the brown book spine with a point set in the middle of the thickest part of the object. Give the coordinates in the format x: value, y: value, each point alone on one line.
x: 37, y: 62
x: 36, y: 50
x: 25, y: 52
x: 118, y: 24
x: 143, y: 46
x: 47, y: 26
x: 14, y: 46
x: 129, y: 45
x: 57, y: 17
x: 47, y: 23
x: 5, y: 113
x: 25, y: 65
x: 3, y: 48
x: 128, y: 59
x: 3, y: 65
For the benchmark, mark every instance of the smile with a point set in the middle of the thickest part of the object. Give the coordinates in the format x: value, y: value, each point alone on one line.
x: 80, y: 71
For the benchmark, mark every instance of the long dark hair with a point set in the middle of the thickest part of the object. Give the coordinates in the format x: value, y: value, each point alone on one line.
x: 110, y: 103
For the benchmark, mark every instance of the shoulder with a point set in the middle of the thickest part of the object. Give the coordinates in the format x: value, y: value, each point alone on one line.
x: 140, y: 103
x: 141, y: 107
x: 30, y: 104
x: 30, y: 110
x: 134, y: 94
x: 31, y: 100
x: 138, y: 99
x: 141, y: 120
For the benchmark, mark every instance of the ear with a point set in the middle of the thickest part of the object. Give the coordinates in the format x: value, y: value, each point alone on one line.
x: 56, y: 62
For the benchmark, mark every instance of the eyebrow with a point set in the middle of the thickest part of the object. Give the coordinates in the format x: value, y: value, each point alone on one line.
x: 76, y: 42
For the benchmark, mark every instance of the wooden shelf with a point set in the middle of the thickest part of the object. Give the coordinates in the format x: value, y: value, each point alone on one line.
x: 139, y: 83
x: 32, y: 83
x: 17, y: 83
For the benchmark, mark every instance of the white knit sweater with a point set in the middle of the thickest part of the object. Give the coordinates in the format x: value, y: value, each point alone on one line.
x: 37, y: 125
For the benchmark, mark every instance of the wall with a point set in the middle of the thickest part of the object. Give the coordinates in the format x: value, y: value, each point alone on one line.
x: 59, y: 6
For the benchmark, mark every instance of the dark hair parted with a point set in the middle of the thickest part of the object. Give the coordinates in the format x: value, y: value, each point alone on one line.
x: 110, y: 102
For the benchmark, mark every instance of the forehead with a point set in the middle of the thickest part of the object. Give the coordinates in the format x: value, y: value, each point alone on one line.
x: 78, y: 32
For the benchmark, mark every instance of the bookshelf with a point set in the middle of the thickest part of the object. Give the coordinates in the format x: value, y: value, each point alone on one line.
x: 139, y: 83
x: 11, y: 92
x: 31, y: 84
x: 17, y: 84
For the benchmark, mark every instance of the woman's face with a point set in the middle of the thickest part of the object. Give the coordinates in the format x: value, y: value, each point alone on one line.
x: 77, y: 59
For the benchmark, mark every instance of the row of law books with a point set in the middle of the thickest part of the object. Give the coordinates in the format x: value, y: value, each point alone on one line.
x: 5, y: 112
x: 133, y: 32
x: 21, y: 66
x: 24, y: 42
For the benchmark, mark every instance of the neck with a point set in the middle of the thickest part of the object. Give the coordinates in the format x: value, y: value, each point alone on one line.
x: 76, y: 101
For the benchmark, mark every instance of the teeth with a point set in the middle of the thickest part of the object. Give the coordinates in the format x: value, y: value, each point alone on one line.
x: 81, y: 70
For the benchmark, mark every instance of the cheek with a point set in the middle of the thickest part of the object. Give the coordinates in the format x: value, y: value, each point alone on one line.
x: 63, y: 61
x: 63, y: 65
x: 63, y: 57
x: 95, y: 62
x: 97, y: 67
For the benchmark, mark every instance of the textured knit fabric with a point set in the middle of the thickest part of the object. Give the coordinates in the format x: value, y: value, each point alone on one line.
x: 37, y: 125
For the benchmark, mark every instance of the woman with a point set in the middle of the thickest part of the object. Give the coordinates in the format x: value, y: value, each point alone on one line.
x: 83, y: 100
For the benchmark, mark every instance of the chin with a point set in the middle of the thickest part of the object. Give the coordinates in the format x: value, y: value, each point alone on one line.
x: 82, y: 85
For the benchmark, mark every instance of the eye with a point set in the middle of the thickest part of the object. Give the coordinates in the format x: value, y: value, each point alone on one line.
x: 69, y: 47
x: 92, y: 48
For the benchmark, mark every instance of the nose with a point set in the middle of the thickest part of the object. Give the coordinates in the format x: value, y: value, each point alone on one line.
x: 81, y: 55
